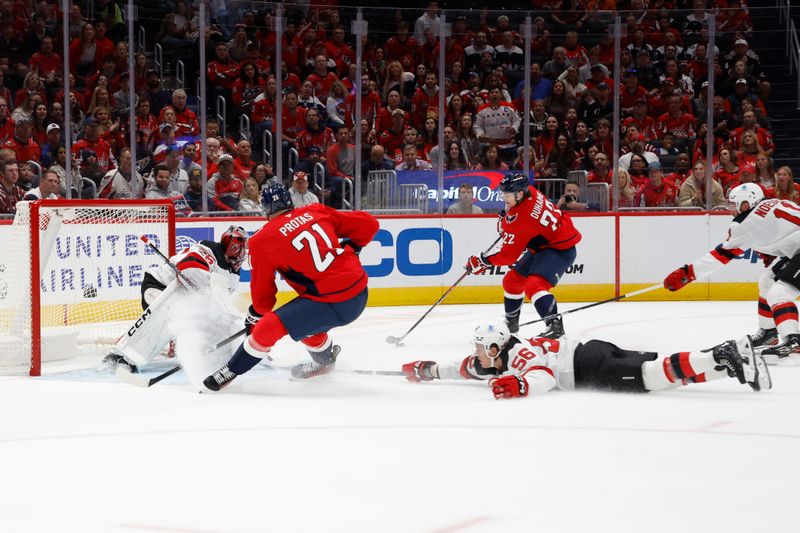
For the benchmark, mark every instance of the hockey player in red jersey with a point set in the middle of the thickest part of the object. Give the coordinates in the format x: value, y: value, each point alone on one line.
x: 302, y: 245
x: 533, y: 225
x: 516, y: 367
x: 771, y: 228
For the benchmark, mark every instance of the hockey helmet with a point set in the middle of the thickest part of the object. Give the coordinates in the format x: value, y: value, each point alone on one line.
x: 276, y: 198
x: 491, y: 334
x: 746, y: 192
x: 514, y: 182
x: 234, y: 244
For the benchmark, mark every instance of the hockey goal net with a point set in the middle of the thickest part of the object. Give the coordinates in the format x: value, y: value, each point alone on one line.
x: 70, y: 275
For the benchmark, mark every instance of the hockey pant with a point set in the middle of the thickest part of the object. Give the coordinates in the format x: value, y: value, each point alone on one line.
x: 605, y: 366
x: 777, y: 291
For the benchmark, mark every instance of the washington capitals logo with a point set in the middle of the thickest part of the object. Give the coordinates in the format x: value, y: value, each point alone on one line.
x: 511, y: 218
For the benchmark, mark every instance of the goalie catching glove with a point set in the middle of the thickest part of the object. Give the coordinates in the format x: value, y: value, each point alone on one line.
x: 679, y: 278
x: 419, y: 371
x: 478, y: 264
x: 251, y: 320
x: 510, y: 386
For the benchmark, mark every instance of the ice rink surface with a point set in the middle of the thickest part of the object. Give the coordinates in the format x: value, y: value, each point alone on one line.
x: 353, y: 453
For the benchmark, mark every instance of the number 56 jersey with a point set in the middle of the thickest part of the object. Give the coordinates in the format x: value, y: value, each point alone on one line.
x: 534, y: 224
x: 302, y: 245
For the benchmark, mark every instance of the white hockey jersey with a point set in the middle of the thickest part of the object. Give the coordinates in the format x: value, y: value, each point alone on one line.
x: 203, y: 263
x: 771, y: 228
x: 545, y: 364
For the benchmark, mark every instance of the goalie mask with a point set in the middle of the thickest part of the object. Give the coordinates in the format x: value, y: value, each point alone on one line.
x: 234, y: 243
x: 488, y: 335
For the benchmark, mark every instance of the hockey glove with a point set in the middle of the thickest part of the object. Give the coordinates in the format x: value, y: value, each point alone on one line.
x: 477, y: 264
x: 356, y: 248
x: 419, y: 371
x: 680, y: 278
x: 511, y: 386
x: 251, y: 319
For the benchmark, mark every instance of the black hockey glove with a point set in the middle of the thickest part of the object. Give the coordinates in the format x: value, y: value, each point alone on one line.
x: 356, y: 248
x: 250, y: 321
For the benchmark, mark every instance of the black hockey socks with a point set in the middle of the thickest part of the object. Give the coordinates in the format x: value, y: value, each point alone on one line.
x: 242, y: 361
x: 546, y: 305
x: 513, y: 308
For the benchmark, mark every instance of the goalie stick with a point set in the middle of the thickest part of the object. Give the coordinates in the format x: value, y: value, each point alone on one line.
x: 398, y: 341
x: 595, y: 304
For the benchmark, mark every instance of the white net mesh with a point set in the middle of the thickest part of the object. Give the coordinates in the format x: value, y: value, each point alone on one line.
x: 91, y: 263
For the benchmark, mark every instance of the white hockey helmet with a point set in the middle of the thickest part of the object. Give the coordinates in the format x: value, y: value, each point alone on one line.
x: 491, y: 334
x: 746, y: 192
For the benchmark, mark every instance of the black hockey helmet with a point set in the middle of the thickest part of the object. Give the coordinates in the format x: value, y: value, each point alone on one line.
x: 514, y: 182
x: 276, y: 198
x: 234, y: 244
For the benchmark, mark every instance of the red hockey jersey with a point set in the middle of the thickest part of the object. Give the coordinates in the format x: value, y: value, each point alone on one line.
x: 303, y: 246
x: 534, y: 224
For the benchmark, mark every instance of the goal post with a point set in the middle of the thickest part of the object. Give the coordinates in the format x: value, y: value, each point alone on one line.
x: 71, y: 274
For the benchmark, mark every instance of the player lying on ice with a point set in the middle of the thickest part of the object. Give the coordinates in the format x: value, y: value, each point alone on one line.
x: 771, y: 228
x: 302, y: 245
x: 212, y: 270
x: 517, y: 367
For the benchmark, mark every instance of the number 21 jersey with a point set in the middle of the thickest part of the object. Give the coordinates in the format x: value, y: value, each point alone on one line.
x: 303, y: 246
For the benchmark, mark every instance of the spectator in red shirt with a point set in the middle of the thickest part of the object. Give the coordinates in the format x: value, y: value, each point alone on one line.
x: 10, y: 192
x: 186, y: 119
x: 315, y: 134
x: 683, y: 167
x: 105, y: 46
x: 393, y: 138
x: 247, y: 87
x: 676, y: 121
x: 631, y: 93
x: 293, y: 119
x: 370, y: 104
x: 401, y: 44
x: 728, y: 173
x: 223, y: 71
x: 48, y: 64
x: 91, y: 142
x: 321, y: 78
x: 659, y: 192
x: 785, y: 187
x: 6, y: 124
x: 25, y: 148
x: 425, y: 102
x: 601, y: 173
x: 341, y: 52
x: 243, y: 163
x: 749, y: 123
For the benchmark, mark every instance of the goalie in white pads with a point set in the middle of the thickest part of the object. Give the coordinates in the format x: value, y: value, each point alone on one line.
x: 212, y: 271
x: 517, y: 367
x: 771, y: 228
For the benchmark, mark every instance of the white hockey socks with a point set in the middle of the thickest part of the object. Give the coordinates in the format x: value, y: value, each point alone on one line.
x: 680, y: 368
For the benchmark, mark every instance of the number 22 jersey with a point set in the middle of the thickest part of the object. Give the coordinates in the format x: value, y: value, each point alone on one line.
x: 534, y: 224
x: 303, y: 246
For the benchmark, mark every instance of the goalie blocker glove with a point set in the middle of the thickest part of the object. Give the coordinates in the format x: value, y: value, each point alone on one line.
x: 679, y: 278
x: 418, y: 371
x: 510, y: 386
x: 251, y: 319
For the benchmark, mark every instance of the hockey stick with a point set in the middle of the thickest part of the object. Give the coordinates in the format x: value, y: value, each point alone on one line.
x: 374, y: 372
x: 595, y: 304
x: 391, y: 339
x: 178, y: 273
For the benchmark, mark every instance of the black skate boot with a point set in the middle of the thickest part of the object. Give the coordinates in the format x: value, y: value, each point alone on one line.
x: 763, y: 338
x: 555, y: 329
x: 783, y: 350
x: 512, y: 321
x: 727, y: 356
x: 322, y: 364
x: 220, y: 378
x: 755, y: 369
x: 113, y: 361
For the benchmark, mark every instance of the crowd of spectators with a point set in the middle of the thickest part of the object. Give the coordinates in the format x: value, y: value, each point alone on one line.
x: 664, y: 95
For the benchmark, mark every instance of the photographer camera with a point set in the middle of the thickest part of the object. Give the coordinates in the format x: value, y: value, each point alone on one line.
x: 570, y: 200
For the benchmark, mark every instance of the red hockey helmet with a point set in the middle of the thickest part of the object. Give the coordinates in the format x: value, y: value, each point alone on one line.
x: 234, y: 242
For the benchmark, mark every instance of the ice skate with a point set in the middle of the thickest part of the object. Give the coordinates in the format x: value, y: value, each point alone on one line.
x: 727, y: 355
x: 219, y: 379
x: 512, y: 321
x: 783, y: 350
x: 112, y: 361
x: 755, y: 370
x: 764, y: 338
x: 311, y: 369
x: 555, y: 329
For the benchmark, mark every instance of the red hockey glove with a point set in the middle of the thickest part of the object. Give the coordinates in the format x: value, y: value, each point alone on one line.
x: 419, y: 371
x: 511, y: 386
x: 477, y: 264
x: 680, y: 278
